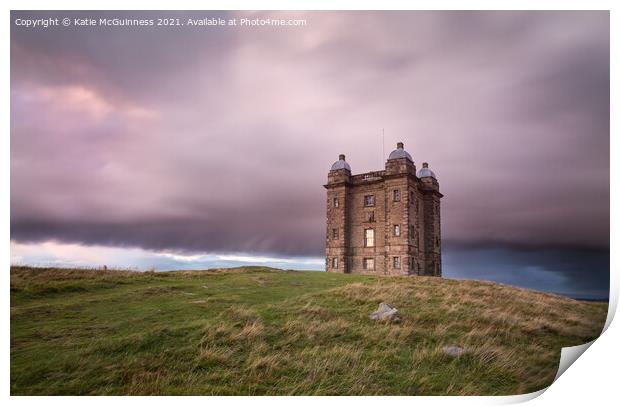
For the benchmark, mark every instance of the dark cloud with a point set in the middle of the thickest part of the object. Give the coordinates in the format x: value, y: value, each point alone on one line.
x: 576, y: 272
x: 216, y: 139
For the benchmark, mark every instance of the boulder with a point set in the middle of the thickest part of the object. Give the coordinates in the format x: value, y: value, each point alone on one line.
x: 386, y: 312
x: 453, y: 350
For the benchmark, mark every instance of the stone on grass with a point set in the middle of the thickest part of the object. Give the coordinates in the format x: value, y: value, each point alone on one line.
x: 452, y: 350
x: 386, y: 312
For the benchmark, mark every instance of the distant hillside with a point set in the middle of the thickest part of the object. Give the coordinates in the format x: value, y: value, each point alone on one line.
x: 252, y: 331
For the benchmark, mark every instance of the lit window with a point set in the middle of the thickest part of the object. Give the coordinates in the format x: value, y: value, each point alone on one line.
x: 369, y: 200
x: 396, y: 230
x: 336, y: 202
x: 334, y: 233
x: 335, y: 262
x: 396, y: 195
x: 369, y: 263
x: 369, y: 237
x: 396, y: 262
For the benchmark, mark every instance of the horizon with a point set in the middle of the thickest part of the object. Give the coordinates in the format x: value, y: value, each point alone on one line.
x: 560, y: 275
x: 595, y: 297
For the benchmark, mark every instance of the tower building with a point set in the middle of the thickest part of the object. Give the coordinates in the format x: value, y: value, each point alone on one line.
x: 384, y: 222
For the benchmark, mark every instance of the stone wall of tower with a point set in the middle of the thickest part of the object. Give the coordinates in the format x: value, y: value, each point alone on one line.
x: 397, y: 214
x: 432, y: 227
x: 336, y: 245
x: 437, y: 230
x: 362, y: 217
x: 416, y: 229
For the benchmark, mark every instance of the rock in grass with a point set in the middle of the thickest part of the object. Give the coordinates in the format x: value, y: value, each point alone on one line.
x: 453, y: 350
x: 386, y: 312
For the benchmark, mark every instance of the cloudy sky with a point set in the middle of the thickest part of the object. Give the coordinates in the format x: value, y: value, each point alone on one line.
x: 194, y: 146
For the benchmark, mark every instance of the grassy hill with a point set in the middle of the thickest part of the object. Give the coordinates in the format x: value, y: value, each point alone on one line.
x: 261, y: 331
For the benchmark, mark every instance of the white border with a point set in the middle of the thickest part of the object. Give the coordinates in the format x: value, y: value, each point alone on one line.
x: 592, y: 379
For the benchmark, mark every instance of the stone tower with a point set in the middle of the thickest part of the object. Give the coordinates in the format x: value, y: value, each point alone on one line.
x: 384, y: 222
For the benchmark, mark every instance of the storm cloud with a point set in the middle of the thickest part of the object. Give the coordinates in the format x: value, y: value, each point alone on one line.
x: 218, y: 139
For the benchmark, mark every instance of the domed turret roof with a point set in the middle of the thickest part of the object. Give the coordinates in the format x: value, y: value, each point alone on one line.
x: 400, y: 152
x: 341, y: 164
x: 426, y: 172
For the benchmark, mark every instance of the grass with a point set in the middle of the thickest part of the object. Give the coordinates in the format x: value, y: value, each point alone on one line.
x: 261, y: 331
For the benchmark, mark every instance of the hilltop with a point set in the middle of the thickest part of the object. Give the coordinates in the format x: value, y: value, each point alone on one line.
x: 256, y: 330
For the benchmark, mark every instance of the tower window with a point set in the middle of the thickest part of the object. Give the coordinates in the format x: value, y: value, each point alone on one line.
x: 371, y: 217
x: 369, y: 200
x: 334, y: 233
x: 335, y: 262
x: 369, y: 237
x: 396, y: 195
x: 369, y: 263
x: 336, y: 203
x: 396, y: 230
x: 396, y: 262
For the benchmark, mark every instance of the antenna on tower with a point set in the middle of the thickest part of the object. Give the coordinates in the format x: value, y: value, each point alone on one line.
x: 382, y: 145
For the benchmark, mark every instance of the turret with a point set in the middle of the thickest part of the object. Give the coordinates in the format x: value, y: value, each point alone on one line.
x: 428, y: 178
x: 340, y: 171
x: 399, y: 161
